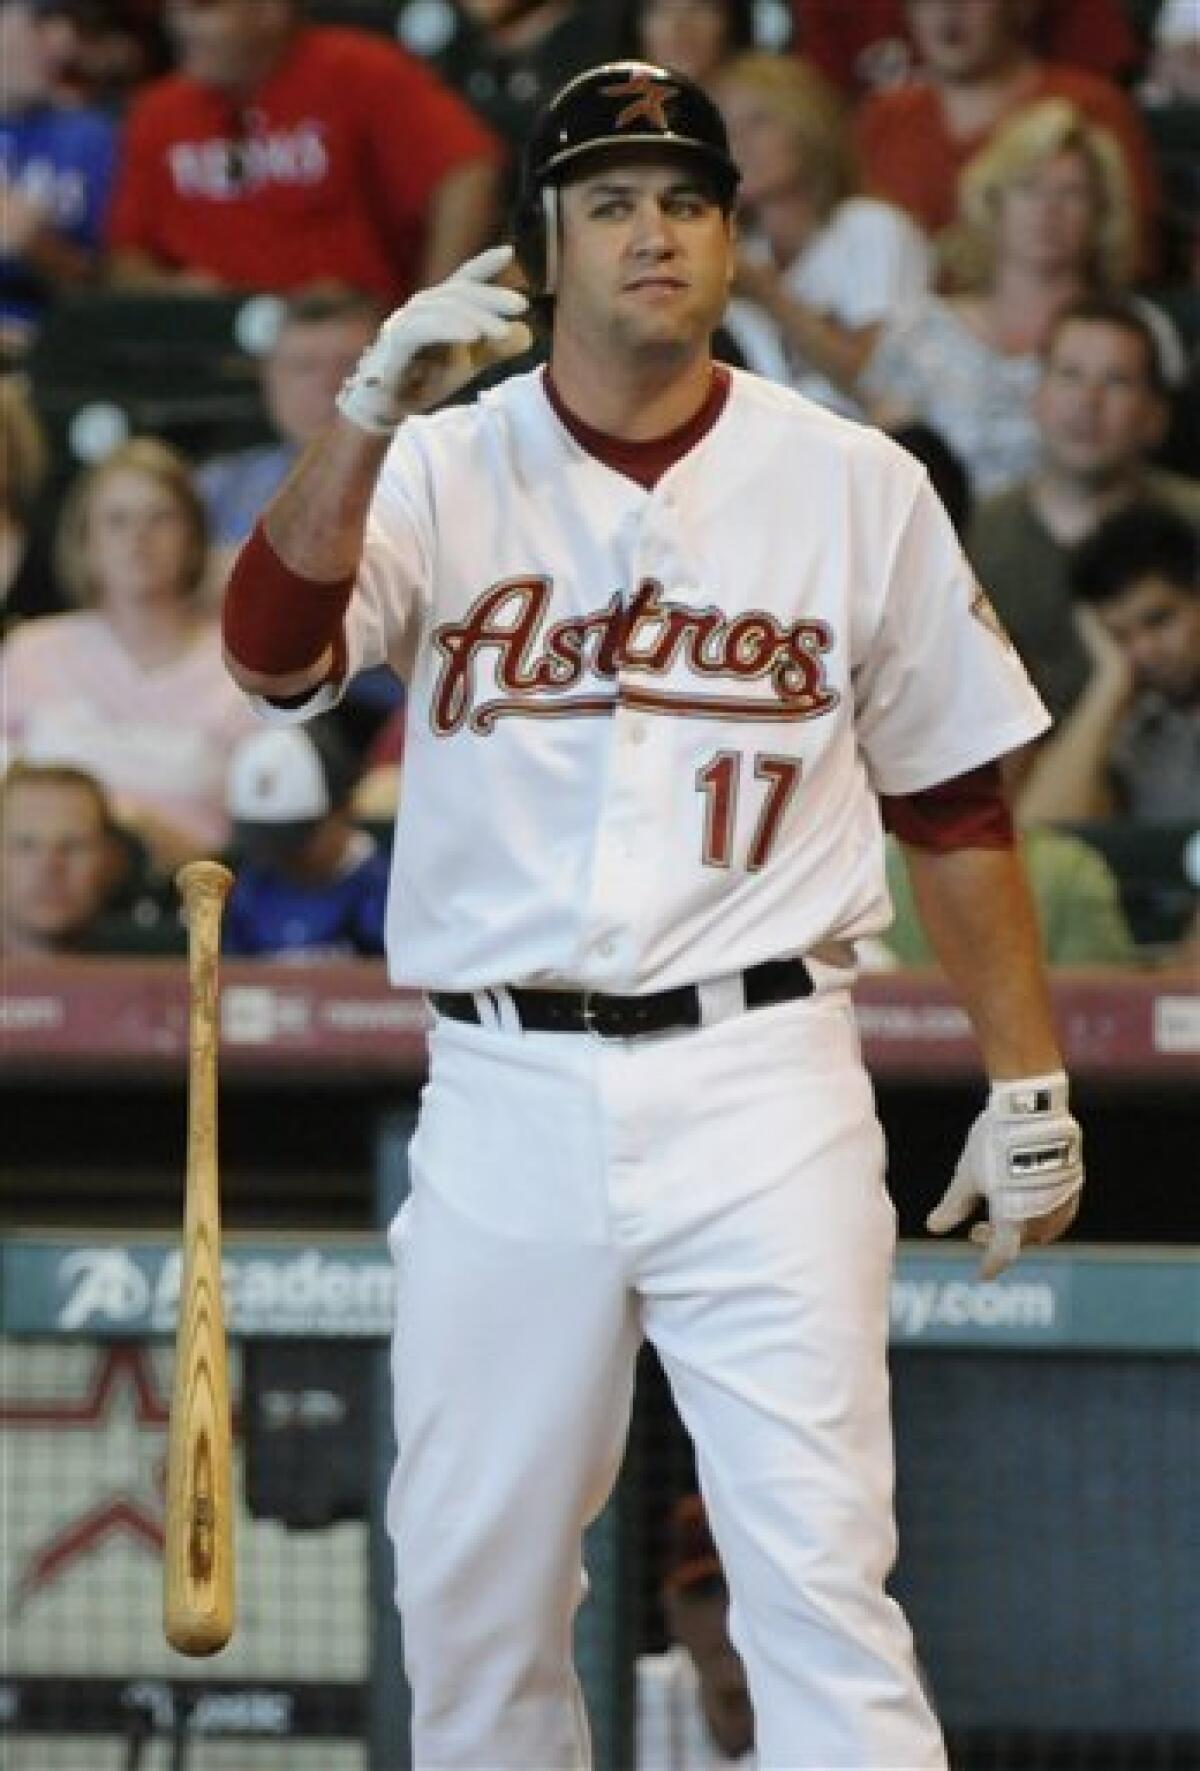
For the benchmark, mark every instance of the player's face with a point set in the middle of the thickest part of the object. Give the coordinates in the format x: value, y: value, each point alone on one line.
x: 690, y: 36
x: 647, y: 260
x: 57, y: 862
x: 139, y: 540
x: 1096, y: 408
x: 306, y: 369
x: 1157, y: 625
x: 1047, y: 219
x: 963, y: 39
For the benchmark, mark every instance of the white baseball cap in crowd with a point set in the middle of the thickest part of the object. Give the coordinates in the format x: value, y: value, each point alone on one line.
x: 282, y: 784
x: 278, y: 777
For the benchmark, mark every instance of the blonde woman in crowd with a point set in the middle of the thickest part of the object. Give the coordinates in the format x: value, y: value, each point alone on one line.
x: 821, y: 267
x: 27, y: 580
x: 1045, y: 217
x: 131, y: 685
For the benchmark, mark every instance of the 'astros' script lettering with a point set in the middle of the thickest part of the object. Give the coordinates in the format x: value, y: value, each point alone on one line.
x: 537, y: 665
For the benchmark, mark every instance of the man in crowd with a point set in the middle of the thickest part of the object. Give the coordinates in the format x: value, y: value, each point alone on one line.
x: 1132, y: 741
x: 67, y: 872
x: 1101, y: 410
x: 319, y: 340
x: 868, y: 45
x: 283, y: 154
x: 977, y: 66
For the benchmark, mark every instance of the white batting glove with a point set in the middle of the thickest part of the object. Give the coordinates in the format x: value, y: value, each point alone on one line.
x: 1023, y: 1159
x: 438, y: 341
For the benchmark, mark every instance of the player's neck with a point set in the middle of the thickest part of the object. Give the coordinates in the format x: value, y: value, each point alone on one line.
x: 634, y: 402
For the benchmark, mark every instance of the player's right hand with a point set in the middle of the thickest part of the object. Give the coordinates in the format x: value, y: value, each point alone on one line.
x: 438, y: 341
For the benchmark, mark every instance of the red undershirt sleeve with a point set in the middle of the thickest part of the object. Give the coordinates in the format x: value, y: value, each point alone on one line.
x: 277, y: 621
x: 969, y: 812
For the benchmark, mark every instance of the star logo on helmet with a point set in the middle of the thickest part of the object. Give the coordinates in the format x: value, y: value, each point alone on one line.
x: 648, y: 99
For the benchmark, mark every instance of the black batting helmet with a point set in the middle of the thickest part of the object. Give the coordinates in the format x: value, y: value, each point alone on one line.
x: 620, y: 104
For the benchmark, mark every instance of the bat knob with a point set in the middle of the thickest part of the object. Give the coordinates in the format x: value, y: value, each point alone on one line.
x: 198, y: 882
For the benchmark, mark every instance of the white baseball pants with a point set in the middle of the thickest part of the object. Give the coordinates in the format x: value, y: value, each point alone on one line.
x: 720, y: 1192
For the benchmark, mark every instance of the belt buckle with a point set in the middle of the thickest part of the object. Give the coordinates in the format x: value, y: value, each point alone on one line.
x: 591, y: 1015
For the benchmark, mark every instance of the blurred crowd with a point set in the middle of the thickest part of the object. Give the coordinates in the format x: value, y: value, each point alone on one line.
x: 975, y: 223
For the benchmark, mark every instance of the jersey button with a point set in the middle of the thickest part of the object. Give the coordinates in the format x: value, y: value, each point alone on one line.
x: 637, y: 733
x: 607, y: 947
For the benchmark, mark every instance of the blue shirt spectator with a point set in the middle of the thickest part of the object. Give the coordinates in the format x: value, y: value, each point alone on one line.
x: 56, y: 173
x: 310, y: 884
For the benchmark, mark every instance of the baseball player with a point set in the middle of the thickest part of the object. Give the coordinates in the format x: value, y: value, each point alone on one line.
x: 671, y: 636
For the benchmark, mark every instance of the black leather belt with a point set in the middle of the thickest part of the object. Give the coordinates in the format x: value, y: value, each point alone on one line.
x: 624, y: 1017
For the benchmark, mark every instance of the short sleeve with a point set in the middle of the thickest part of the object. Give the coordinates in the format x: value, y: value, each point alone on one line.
x: 938, y: 688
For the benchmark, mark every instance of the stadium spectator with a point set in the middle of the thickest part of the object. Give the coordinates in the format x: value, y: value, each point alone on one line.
x: 863, y: 45
x: 1076, y: 896
x: 56, y: 173
x: 1131, y: 743
x: 692, y: 1704
x: 978, y: 66
x: 695, y: 37
x: 1045, y: 220
x: 1173, y: 72
x: 283, y: 155
x: 108, y: 48
x: 319, y: 339
x: 70, y: 881
x: 507, y: 59
x: 132, y: 687
x: 1101, y: 410
x: 820, y: 267
x: 28, y: 582
x: 309, y: 884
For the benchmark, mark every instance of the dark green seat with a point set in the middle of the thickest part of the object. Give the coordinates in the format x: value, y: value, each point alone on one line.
x: 170, y: 364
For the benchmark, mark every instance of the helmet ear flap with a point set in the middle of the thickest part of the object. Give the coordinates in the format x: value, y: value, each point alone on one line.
x: 550, y: 239
x: 535, y: 238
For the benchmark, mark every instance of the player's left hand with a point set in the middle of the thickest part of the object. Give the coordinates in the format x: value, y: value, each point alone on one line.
x: 1023, y: 1159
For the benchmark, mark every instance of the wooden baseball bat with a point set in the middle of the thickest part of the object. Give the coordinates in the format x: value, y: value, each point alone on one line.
x: 198, y: 1537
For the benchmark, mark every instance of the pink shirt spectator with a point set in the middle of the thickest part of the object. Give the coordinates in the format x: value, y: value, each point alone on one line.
x: 158, y: 739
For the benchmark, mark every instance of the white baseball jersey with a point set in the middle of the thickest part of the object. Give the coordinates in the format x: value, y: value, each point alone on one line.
x: 646, y: 729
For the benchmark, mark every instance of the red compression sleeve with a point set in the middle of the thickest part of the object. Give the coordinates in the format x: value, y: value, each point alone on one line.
x: 969, y: 812
x: 276, y: 620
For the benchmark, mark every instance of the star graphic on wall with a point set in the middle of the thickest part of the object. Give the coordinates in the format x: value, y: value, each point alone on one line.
x: 121, y: 1376
x: 648, y: 99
